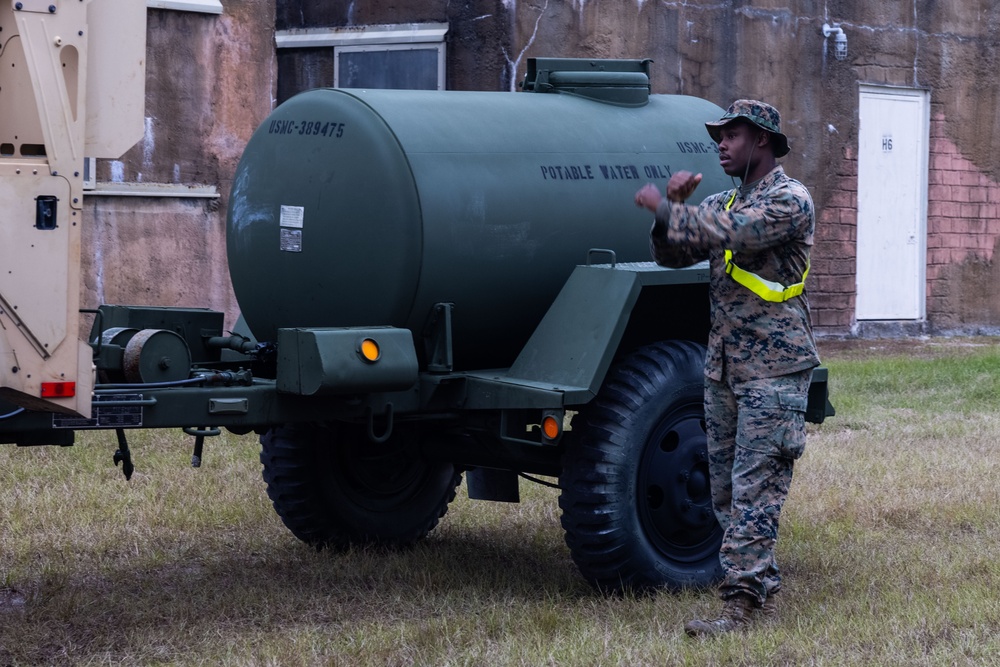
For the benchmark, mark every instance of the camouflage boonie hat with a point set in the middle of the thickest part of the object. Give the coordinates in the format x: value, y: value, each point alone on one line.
x: 761, y: 114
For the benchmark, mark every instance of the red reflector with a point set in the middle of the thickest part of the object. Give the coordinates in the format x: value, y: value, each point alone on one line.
x: 58, y: 389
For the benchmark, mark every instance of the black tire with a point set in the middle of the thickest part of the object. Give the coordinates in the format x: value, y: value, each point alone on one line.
x: 636, y: 503
x: 331, y: 486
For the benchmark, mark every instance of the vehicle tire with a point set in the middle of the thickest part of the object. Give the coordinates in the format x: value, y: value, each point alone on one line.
x: 332, y: 486
x: 636, y: 503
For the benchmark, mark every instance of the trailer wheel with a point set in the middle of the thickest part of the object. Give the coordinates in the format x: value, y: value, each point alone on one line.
x: 331, y: 486
x: 636, y: 504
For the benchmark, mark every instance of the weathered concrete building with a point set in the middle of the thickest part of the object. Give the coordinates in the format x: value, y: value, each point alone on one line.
x: 890, y: 109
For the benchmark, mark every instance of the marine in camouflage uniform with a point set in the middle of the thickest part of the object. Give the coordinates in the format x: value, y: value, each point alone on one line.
x: 760, y: 351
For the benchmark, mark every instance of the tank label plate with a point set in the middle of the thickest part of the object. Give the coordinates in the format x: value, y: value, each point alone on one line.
x: 106, y: 416
x: 292, y: 216
x: 291, y: 240
x: 291, y: 228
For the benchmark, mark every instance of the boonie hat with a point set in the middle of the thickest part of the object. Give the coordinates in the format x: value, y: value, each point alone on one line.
x: 761, y: 114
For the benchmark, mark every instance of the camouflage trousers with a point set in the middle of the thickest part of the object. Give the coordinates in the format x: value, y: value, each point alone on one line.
x: 756, y: 430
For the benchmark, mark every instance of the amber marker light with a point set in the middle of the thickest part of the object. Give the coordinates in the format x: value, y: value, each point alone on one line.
x: 369, y: 350
x: 551, y: 427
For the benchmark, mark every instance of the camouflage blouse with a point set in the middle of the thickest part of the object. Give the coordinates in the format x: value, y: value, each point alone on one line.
x: 770, y: 231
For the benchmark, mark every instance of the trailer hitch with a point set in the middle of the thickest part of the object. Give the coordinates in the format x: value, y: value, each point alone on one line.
x: 123, y: 455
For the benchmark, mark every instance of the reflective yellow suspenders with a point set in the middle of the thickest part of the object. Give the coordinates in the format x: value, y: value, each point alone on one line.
x: 765, y: 289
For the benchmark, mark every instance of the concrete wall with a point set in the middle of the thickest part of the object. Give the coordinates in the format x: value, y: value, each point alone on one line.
x: 209, y: 84
x: 211, y: 80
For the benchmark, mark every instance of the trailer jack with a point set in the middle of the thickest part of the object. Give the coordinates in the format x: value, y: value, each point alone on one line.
x: 123, y: 455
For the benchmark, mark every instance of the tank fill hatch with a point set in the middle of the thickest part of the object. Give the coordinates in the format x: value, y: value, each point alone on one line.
x: 612, y: 81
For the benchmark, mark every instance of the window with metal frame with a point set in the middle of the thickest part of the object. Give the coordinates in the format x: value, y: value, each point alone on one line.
x: 410, y: 55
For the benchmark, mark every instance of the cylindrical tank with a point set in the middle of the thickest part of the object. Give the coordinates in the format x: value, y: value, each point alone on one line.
x: 368, y: 207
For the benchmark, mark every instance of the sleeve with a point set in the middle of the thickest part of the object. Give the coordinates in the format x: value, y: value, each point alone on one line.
x: 774, y: 220
x: 671, y: 255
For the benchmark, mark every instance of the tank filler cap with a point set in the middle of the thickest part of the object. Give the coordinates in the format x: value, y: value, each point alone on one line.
x: 612, y: 81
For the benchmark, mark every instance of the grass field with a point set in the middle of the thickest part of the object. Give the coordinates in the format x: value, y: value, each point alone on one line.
x: 890, y: 546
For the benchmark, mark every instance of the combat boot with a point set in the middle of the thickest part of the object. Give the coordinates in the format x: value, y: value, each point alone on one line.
x: 736, y: 615
x: 769, y: 609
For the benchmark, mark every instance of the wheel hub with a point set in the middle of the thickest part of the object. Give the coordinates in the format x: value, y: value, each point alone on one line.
x: 674, y: 488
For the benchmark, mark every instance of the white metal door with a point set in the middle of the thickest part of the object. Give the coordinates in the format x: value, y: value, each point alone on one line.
x: 892, y: 203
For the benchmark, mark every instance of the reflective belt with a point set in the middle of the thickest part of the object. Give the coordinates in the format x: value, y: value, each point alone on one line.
x: 765, y: 289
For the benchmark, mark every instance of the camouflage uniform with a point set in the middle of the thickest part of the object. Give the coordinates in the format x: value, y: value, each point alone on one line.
x: 760, y: 356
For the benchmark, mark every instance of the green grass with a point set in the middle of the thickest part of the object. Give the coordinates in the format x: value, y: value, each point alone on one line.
x: 889, y: 548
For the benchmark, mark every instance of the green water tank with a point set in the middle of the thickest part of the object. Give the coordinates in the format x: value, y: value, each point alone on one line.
x: 368, y: 207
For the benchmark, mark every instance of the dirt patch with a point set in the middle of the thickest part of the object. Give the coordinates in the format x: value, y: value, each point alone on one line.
x: 11, y: 601
x: 923, y: 347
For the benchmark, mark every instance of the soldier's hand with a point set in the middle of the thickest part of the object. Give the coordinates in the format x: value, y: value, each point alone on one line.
x: 682, y: 185
x: 648, y: 197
